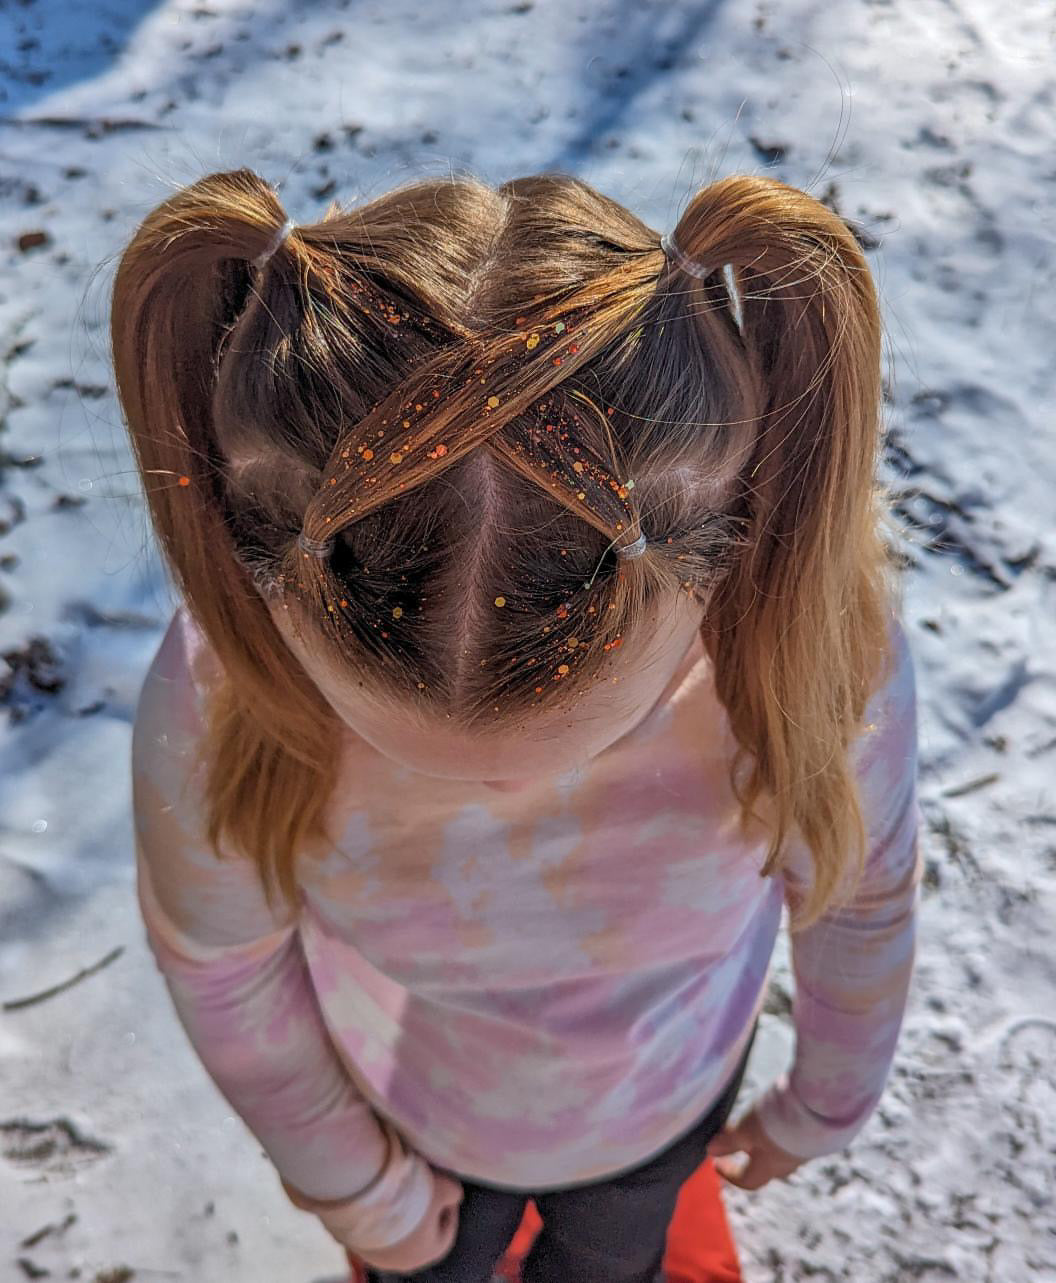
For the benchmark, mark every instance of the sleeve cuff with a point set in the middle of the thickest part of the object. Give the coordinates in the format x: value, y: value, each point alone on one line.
x: 391, y: 1207
x: 797, y: 1129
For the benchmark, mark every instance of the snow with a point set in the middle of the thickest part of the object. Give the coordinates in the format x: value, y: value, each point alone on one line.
x: 929, y: 122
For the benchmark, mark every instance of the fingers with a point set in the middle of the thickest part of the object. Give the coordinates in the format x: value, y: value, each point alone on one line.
x: 750, y: 1174
x: 448, y: 1193
x: 448, y: 1232
x: 749, y: 1170
x: 762, y: 1160
x: 730, y: 1140
x: 432, y: 1239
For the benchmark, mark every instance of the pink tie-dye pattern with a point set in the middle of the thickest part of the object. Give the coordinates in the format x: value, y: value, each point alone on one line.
x: 535, y: 989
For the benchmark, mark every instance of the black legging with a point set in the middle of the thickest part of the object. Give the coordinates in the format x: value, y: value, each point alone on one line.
x: 610, y: 1231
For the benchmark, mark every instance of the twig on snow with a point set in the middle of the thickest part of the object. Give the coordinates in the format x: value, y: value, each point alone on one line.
x: 14, y: 1004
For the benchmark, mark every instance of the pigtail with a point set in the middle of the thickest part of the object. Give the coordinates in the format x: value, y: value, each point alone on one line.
x: 186, y: 289
x: 797, y: 628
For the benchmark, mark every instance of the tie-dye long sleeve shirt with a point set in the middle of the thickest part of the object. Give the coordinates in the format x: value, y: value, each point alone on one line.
x: 531, y: 989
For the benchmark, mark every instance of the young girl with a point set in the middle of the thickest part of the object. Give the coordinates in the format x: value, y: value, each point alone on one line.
x: 539, y: 644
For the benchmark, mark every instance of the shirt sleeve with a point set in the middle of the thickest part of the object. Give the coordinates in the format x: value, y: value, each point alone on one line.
x: 240, y: 985
x: 853, y: 967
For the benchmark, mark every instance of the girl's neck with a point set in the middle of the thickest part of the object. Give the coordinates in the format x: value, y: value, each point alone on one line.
x: 693, y: 654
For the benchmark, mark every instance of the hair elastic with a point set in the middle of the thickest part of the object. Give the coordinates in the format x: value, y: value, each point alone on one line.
x: 276, y: 241
x: 633, y: 549
x: 321, y: 548
x: 667, y: 244
x: 702, y: 270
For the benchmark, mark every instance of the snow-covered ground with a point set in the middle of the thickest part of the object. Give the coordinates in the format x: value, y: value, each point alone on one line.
x: 932, y: 124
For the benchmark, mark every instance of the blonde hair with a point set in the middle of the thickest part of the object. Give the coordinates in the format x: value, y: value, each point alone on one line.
x: 477, y: 391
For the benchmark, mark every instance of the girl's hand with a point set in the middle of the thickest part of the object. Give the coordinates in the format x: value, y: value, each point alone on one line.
x: 766, y: 1160
x: 431, y: 1241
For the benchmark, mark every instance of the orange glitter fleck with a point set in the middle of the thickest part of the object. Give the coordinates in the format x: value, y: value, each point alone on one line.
x: 557, y: 360
x: 538, y: 690
x: 395, y: 458
x: 184, y: 481
x: 344, y: 602
x: 562, y: 669
x: 368, y: 454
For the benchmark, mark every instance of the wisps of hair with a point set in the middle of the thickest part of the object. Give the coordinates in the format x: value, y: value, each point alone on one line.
x: 478, y: 393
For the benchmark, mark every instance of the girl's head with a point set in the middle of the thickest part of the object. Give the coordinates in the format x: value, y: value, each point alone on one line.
x: 395, y: 462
